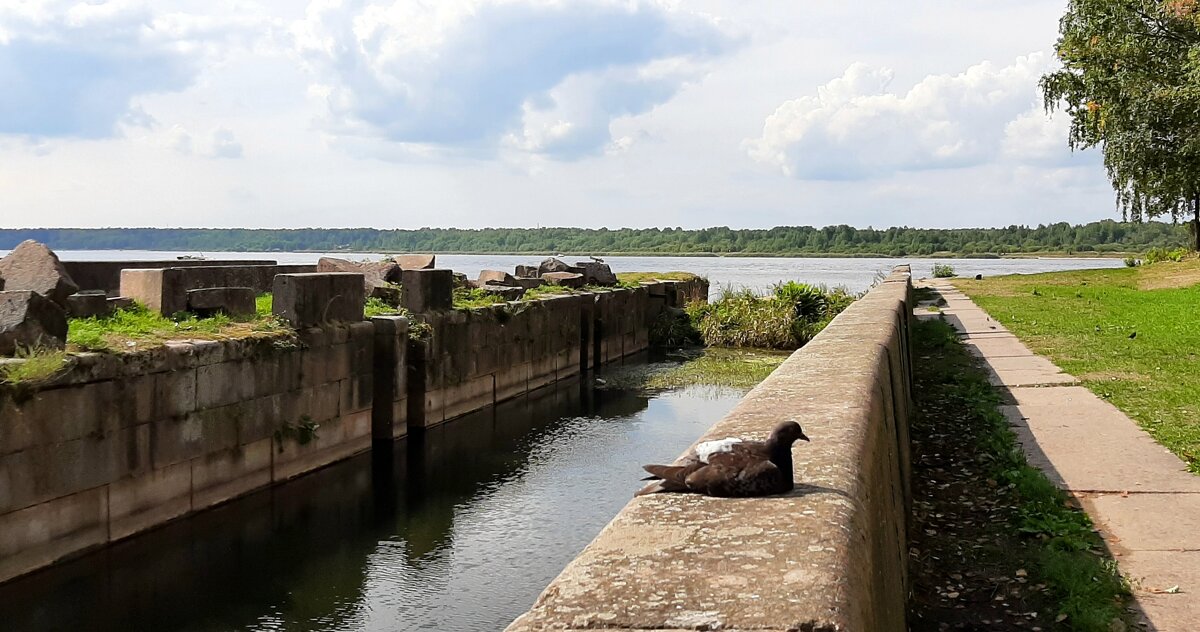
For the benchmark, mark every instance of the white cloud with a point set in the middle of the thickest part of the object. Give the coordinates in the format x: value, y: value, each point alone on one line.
x: 224, y: 145
x: 538, y: 76
x: 219, y: 143
x: 856, y: 128
x: 71, y: 69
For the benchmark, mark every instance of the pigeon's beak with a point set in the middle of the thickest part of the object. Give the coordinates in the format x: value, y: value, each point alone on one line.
x: 804, y: 436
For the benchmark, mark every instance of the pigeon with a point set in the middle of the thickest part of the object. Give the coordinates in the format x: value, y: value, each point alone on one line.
x: 731, y: 467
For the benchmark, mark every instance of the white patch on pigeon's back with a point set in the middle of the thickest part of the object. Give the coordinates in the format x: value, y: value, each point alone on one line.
x: 709, y: 448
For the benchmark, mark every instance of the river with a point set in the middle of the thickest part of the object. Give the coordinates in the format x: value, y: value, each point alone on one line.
x: 756, y: 273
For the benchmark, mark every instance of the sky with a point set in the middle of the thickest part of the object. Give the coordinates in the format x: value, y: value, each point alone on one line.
x: 522, y: 113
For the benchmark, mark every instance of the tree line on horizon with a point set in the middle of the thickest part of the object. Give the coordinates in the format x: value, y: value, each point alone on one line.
x: 1105, y: 236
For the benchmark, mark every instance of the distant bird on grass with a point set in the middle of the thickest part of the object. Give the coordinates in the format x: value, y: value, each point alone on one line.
x: 731, y: 467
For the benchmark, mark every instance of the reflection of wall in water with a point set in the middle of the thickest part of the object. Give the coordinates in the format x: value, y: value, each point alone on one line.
x: 300, y: 546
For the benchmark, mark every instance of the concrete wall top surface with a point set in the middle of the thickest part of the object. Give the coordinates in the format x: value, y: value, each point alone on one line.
x: 830, y: 555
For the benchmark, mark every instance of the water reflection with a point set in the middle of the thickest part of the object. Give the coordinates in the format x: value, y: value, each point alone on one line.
x: 457, y: 531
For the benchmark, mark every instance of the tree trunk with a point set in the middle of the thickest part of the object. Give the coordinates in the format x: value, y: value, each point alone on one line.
x: 1196, y: 223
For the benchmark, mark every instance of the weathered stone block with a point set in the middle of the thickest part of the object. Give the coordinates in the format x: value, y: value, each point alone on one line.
x: 221, y: 476
x: 468, y: 396
x: 597, y: 273
x: 529, y: 284
x: 428, y: 290
x: 89, y: 304
x: 29, y: 320
x: 225, y: 383
x: 551, y: 264
x: 389, y: 403
x: 505, y: 292
x: 235, y: 301
x: 512, y: 381
x: 527, y: 272
x: 377, y: 275
x: 34, y: 267
x: 495, y: 277
x: 140, y: 502
x: 305, y: 300
x: 356, y: 393
x: 335, y: 440
x: 565, y: 279
x: 415, y: 262
x: 40, y: 535
x: 200, y: 433
x: 174, y: 394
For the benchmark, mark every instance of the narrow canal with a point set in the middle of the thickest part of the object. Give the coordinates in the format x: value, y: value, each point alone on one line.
x: 460, y: 531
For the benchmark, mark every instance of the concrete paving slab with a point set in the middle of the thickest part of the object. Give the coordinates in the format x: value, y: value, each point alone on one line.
x: 1022, y: 362
x: 1086, y: 444
x: 998, y: 346
x: 1153, y: 573
x: 1147, y: 522
x: 1016, y: 378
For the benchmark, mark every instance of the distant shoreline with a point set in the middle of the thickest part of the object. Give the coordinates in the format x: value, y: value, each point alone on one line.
x: 736, y: 255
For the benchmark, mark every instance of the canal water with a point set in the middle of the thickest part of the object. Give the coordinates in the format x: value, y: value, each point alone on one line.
x: 457, y: 532
x: 756, y: 273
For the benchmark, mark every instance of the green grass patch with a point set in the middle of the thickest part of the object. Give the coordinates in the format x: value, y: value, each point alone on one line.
x: 32, y: 366
x: 470, y: 298
x: 635, y: 278
x: 1129, y: 334
x: 714, y: 367
x: 1010, y: 518
x: 137, y: 327
x: 263, y: 304
x: 734, y: 368
x: 417, y: 328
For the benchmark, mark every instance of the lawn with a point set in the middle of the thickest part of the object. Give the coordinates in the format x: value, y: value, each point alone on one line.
x: 1132, y: 335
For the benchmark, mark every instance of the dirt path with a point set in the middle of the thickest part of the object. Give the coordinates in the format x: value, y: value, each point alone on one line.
x: 1143, y: 499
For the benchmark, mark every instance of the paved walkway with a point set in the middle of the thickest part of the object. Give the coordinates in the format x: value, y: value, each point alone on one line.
x: 1141, y: 497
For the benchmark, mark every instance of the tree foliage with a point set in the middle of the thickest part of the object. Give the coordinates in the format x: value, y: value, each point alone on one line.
x: 1130, y: 82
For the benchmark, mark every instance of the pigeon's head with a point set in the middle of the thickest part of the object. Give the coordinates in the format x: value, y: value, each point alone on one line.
x: 788, y: 433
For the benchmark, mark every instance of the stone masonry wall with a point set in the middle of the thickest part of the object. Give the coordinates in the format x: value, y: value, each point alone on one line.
x: 479, y: 357
x: 123, y: 443
x: 120, y: 443
x: 831, y: 555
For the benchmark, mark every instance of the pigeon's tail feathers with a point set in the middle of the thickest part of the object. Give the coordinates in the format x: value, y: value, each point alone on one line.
x: 661, y: 486
x: 666, y: 472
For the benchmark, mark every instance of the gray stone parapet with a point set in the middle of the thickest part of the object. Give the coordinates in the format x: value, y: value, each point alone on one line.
x: 830, y: 555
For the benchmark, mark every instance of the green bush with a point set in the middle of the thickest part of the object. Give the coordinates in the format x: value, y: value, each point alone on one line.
x: 786, y: 319
x: 1158, y: 255
x: 943, y: 270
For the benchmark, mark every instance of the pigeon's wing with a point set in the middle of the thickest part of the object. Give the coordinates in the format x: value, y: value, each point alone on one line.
x: 739, y: 455
x: 763, y: 479
x: 753, y: 477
